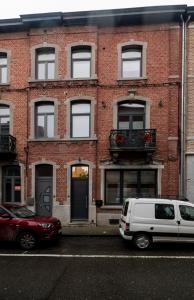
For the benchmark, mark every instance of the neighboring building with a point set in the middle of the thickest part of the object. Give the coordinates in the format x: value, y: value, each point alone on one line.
x: 89, y: 110
x: 189, y: 108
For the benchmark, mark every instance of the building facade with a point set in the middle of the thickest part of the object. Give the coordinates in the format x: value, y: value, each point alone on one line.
x: 90, y: 110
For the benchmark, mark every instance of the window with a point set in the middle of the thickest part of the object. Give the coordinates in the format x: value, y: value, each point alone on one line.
x: 80, y: 119
x: 3, y: 67
x: 44, y: 114
x: 123, y: 184
x: 125, y: 209
x: 131, y: 115
x: 164, y: 211
x: 81, y: 62
x: 2, y: 212
x: 45, y: 63
x: 131, y: 65
x: 4, y: 119
x: 187, y: 212
x: 11, y: 184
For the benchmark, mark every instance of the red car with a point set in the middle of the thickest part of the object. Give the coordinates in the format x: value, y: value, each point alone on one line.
x: 17, y: 223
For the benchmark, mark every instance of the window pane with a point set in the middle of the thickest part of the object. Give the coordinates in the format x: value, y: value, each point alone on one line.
x: 45, y: 108
x: 187, y: 212
x: 148, y: 177
x: 8, y: 189
x: 81, y: 54
x: 44, y: 171
x: 41, y: 71
x: 4, y: 110
x: 79, y: 171
x: 80, y: 108
x: 40, y: 130
x: 51, y: 70
x: 113, y: 187
x: 17, y: 190
x: 131, y: 54
x: 138, y: 122
x: 3, y: 74
x: 164, y: 211
x: 3, y: 61
x: 80, y: 126
x: 46, y: 56
x: 130, y: 184
x: 81, y: 69
x: 131, y: 69
x: 50, y: 126
x: 123, y: 122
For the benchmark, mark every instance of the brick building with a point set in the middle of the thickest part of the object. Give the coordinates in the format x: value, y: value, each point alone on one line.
x: 89, y: 110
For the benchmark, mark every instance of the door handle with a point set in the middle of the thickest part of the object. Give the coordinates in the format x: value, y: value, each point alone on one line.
x: 178, y: 222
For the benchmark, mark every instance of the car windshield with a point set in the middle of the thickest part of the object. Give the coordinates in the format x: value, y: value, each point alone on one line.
x: 22, y: 212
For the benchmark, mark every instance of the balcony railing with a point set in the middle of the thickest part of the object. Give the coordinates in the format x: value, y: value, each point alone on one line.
x: 133, y: 140
x: 7, y: 145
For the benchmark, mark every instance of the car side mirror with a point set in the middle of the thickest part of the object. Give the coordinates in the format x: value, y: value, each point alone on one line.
x: 5, y: 216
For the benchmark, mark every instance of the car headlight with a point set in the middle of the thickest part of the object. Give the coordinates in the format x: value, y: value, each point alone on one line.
x: 45, y: 225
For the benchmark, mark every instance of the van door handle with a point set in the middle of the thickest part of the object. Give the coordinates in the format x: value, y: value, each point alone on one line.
x: 178, y: 222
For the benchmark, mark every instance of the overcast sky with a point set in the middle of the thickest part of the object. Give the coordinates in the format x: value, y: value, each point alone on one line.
x: 15, y: 8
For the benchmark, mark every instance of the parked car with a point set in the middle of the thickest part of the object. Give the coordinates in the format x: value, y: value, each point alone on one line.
x: 144, y: 221
x: 18, y: 223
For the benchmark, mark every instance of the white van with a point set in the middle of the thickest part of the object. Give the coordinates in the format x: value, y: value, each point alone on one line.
x: 145, y: 221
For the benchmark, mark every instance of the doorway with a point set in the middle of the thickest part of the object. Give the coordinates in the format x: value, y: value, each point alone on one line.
x: 79, y: 193
x: 44, y: 190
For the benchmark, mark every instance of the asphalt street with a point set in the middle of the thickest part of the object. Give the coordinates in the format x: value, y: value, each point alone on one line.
x: 96, y: 268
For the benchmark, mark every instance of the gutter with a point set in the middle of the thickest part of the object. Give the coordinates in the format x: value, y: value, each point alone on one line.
x: 183, y: 107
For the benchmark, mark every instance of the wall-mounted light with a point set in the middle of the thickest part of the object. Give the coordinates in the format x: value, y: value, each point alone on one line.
x: 160, y: 104
x: 103, y: 104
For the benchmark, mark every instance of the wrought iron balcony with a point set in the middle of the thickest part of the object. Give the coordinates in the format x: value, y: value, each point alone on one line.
x: 142, y: 140
x: 7, y: 146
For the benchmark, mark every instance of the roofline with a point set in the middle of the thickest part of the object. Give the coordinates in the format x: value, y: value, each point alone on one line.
x: 124, y: 16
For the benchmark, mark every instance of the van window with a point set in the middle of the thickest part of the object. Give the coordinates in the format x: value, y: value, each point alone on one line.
x: 164, y: 211
x: 187, y: 212
x: 125, y: 208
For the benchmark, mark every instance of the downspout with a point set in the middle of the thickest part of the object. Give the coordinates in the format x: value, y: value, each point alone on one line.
x: 183, y: 107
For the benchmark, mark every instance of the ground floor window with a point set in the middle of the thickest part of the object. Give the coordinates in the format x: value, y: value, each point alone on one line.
x: 11, y: 184
x: 122, y: 184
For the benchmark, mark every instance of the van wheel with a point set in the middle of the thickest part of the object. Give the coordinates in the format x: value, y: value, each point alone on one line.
x: 26, y: 240
x: 142, y: 241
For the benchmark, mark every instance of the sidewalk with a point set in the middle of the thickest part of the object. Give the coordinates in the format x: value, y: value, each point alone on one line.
x: 90, y: 230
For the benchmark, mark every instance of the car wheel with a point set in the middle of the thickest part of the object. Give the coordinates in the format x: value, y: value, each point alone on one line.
x: 26, y: 240
x: 142, y: 241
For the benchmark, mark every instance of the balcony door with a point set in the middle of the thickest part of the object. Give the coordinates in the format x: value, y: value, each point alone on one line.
x: 131, y: 115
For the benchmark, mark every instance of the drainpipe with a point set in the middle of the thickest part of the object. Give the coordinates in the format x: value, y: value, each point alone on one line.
x: 183, y: 107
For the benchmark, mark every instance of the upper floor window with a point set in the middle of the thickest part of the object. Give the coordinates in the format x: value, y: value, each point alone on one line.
x: 80, y: 119
x: 81, y: 62
x: 4, y: 119
x: 3, y: 67
x: 45, y: 63
x: 131, y: 65
x: 44, y: 120
x: 131, y: 115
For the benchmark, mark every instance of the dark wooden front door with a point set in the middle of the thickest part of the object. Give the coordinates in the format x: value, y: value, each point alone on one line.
x: 79, y: 197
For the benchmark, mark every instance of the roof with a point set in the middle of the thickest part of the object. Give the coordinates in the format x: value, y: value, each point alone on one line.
x: 113, y: 17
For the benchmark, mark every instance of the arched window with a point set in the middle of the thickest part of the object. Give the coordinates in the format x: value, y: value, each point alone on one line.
x: 44, y: 119
x: 80, y: 119
x: 4, y: 119
x: 131, y: 115
x: 81, y: 57
x: 45, y: 63
x: 3, y: 67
